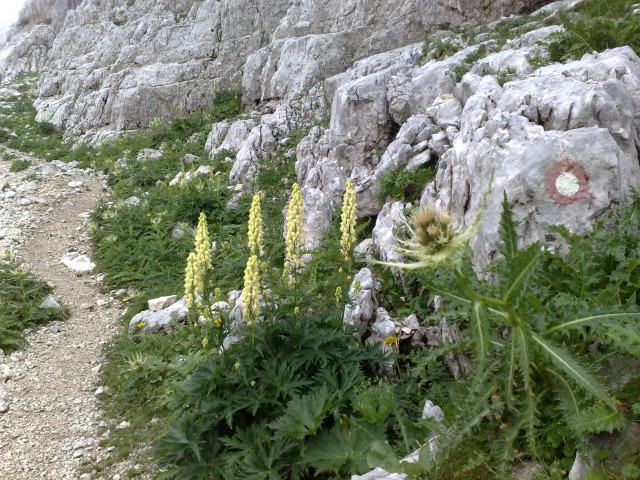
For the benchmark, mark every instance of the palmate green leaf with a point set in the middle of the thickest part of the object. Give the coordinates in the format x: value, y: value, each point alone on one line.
x: 570, y: 367
x: 375, y: 404
x: 381, y: 455
x: 597, y: 418
x: 304, y: 415
x: 342, y: 449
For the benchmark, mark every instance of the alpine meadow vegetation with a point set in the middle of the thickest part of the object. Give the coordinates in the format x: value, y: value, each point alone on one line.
x: 297, y: 394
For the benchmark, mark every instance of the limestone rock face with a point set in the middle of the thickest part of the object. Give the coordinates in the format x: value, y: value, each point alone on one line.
x: 562, y: 147
x: 25, y: 51
x: 28, y: 43
x: 113, y: 65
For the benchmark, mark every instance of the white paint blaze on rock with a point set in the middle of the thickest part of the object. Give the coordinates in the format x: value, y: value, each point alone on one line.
x: 567, y: 184
x: 77, y: 262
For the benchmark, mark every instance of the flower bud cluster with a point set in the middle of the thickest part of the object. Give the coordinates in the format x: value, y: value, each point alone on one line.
x: 293, y: 238
x: 198, y: 263
x: 251, y: 291
x: 348, y: 222
x: 190, y: 280
x: 256, y: 233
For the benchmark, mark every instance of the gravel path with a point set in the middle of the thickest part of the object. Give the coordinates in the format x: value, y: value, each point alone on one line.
x: 50, y: 428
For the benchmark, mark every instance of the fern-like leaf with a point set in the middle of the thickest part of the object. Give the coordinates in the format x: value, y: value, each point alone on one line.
x: 571, y: 368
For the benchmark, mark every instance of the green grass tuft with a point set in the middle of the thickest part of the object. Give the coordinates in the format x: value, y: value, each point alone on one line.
x: 20, y: 297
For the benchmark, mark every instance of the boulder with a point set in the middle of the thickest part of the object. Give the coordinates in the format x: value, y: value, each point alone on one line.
x: 149, y: 321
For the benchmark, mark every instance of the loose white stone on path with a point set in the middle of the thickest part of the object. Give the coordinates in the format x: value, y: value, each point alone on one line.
x: 50, y: 302
x: 78, y: 262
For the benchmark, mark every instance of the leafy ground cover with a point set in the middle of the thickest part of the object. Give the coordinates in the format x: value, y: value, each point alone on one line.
x: 298, y: 396
x: 20, y: 297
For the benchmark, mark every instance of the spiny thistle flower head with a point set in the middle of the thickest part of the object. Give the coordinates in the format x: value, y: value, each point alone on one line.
x: 434, y: 241
x: 348, y: 222
x: 190, y: 280
x: 293, y: 239
x: 256, y: 233
x: 431, y: 230
x: 251, y: 291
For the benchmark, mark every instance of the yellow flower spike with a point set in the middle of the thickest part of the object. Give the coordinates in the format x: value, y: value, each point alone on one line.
x: 190, y: 280
x: 348, y: 222
x: 251, y: 291
x: 203, y: 244
x: 256, y: 233
x: 293, y: 239
x: 338, y: 294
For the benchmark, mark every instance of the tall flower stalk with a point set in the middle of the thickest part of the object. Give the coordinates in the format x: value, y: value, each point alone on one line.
x: 348, y: 223
x: 198, y: 264
x: 251, y: 290
x: 293, y: 239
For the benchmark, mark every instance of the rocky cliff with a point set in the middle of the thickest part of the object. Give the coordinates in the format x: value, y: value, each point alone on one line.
x: 115, y: 65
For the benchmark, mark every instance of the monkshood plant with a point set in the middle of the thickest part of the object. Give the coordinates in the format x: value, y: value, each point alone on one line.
x: 534, y: 331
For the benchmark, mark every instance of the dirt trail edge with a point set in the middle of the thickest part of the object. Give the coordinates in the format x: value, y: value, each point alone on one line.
x: 50, y: 429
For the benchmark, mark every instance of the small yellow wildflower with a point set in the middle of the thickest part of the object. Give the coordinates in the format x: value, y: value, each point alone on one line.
x: 348, y: 222
x: 205, y: 342
x: 392, y: 341
x: 141, y: 324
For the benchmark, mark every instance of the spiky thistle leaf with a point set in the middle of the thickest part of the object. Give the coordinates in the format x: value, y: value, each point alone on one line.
x: 574, y: 371
x: 597, y: 418
x: 508, y: 231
